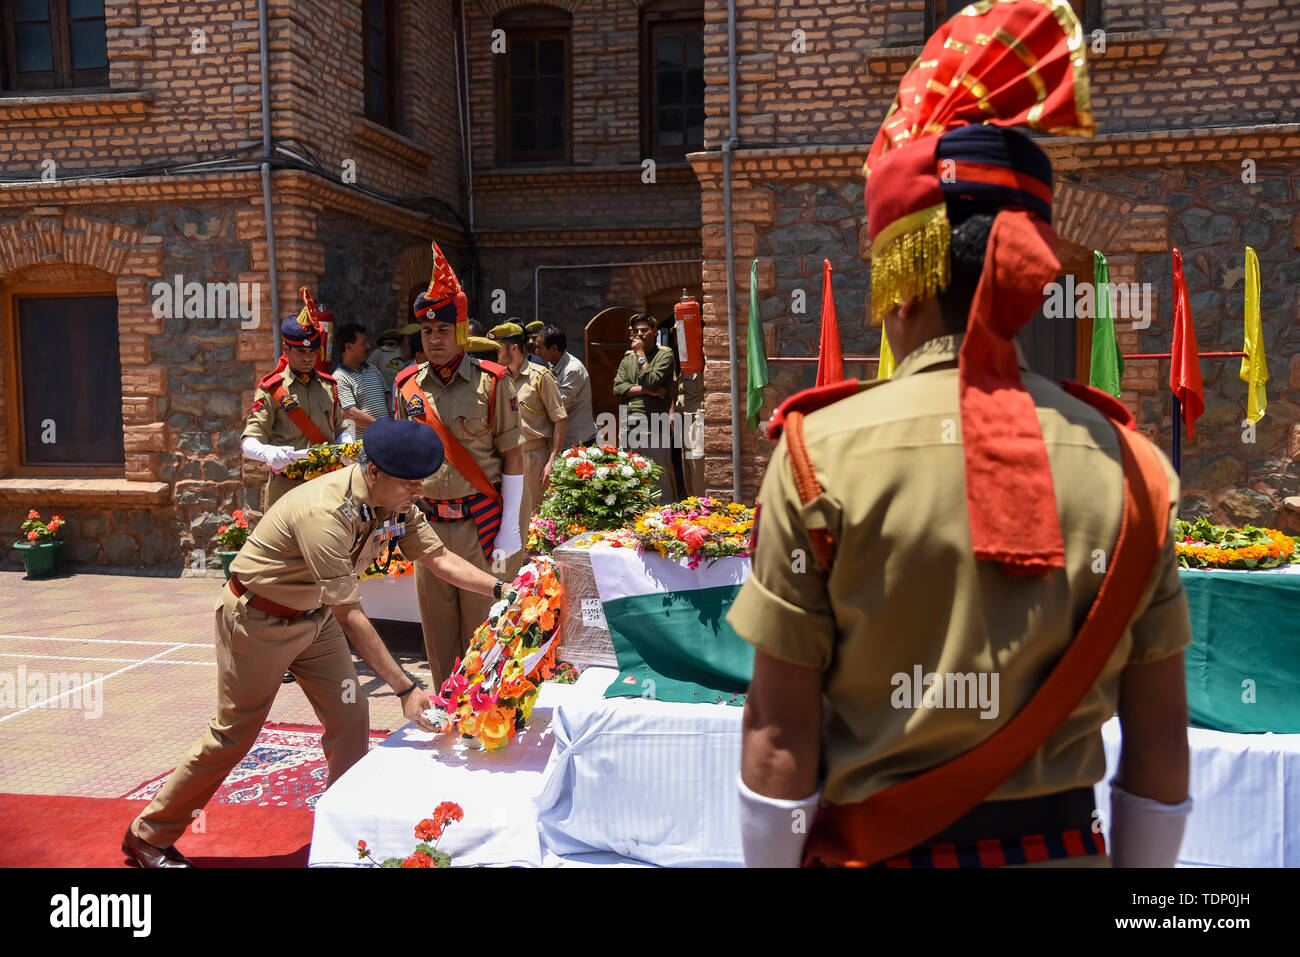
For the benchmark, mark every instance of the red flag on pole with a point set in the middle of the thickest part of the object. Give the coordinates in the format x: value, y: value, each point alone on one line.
x: 830, y: 364
x: 1185, y: 367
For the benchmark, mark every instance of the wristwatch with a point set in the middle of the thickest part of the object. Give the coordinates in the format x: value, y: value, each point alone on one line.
x: 498, y: 587
x: 641, y: 361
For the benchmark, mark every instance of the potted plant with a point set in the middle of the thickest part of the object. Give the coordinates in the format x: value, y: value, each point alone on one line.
x: 230, y: 539
x: 40, y: 551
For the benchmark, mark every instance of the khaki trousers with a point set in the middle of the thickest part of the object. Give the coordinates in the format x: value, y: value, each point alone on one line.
x: 276, y: 487
x: 534, y: 464
x: 449, y: 615
x: 253, y: 651
x: 693, y: 468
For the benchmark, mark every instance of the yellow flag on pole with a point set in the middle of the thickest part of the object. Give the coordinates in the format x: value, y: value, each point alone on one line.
x: 887, y: 364
x: 1254, y: 367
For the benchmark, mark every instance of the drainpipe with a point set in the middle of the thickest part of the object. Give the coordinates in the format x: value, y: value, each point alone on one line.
x: 727, y: 148
x: 266, y: 178
x: 462, y: 108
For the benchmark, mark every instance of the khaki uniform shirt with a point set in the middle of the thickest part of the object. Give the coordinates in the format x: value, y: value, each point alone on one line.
x: 575, y: 386
x: 659, y: 370
x: 540, y: 403
x: 271, y: 425
x: 462, y: 404
x: 311, y: 547
x: 906, y: 592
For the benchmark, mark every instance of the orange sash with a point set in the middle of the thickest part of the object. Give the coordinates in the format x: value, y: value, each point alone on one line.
x: 457, y: 454
x: 893, y: 821
x: 296, y: 413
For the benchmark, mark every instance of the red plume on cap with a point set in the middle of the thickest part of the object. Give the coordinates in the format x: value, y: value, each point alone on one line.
x: 444, y: 287
x: 307, y: 317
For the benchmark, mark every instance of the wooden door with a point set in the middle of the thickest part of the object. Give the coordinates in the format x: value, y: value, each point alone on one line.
x: 607, y: 340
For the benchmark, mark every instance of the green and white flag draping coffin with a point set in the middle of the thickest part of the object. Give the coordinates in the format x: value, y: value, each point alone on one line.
x: 669, y: 629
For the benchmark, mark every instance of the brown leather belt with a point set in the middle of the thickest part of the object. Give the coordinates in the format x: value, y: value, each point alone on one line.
x: 535, y: 444
x: 265, y: 604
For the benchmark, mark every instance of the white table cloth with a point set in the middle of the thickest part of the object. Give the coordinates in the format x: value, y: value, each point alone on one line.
x: 1246, y: 798
x: 392, y: 599
x: 628, y: 782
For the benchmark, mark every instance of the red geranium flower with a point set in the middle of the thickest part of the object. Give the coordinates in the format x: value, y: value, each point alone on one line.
x: 239, y: 513
x: 418, y: 859
x: 448, y: 811
x: 222, y: 529
x: 428, y: 830
x: 33, y: 514
x: 32, y: 536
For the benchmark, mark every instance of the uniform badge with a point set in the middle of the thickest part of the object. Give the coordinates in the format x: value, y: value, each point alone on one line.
x: 514, y: 404
x: 367, y: 513
x: 288, y: 402
x: 415, y: 407
x: 257, y: 405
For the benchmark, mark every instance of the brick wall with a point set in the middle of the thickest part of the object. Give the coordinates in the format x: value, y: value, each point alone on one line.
x: 1183, y: 95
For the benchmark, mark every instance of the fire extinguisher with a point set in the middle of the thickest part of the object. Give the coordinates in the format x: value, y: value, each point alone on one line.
x: 326, y: 320
x: 690, y: 335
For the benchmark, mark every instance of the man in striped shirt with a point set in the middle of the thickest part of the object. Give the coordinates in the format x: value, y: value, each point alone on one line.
x: 363, y: 393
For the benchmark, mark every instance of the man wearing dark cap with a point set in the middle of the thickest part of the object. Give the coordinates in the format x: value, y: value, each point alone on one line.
x: 294, y: 601
x: 542, y: 416
x: 969, y: 565
x: 475, y: 498
x: 295, y: 406
x: 534, y: 332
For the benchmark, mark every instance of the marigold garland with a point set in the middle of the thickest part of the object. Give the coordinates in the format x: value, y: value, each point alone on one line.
x: 491, y: 691
x: 696, y: 529
x: 1202, y: 544
x: 322, y: 459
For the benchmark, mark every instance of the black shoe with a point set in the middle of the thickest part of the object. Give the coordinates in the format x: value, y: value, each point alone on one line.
x: 147, y: 856
x: 288, y: 679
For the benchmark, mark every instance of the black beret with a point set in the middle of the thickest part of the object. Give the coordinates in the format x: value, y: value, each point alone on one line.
x: 402, y: 448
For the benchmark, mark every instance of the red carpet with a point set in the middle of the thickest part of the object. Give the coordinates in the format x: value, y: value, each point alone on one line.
x: 49, y: 831
x: 261, y: 816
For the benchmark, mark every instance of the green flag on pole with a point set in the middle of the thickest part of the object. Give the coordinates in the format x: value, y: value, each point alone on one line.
x: 1107, y: 362
x: 755, y: 355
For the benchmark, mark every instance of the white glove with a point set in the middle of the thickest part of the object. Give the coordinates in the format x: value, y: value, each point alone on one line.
x: 773, y: 830
x: 276, y: 457
x: 512, y: 495
x: 1143, y: 832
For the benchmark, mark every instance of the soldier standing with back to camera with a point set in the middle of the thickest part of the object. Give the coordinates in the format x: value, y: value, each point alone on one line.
x: 965, y: 519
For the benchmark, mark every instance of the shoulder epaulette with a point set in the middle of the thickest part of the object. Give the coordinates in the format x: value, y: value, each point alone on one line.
x: 327, y: 377
x: 268, y: 381
x: 1105, y: 403
x: 404, y: 375
x: 810, y: 400
x: 496, y: 369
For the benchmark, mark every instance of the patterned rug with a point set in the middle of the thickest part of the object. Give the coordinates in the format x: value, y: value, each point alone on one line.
x: 285, y: 768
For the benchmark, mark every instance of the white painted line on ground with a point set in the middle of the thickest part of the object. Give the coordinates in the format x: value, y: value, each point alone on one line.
x: 114, y: 674
x: 110, y: 641
x: 167, y: 661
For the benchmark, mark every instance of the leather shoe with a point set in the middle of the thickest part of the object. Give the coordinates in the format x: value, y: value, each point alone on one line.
x: 145, y: 854
x: 288, y: 678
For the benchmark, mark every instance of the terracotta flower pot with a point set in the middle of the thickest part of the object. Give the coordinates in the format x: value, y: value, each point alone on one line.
x: 40, y: 558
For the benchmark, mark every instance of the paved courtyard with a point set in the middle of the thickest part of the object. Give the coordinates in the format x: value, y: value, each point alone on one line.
x: 143, y: 650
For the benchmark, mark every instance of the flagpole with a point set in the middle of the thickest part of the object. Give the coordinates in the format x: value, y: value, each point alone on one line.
x: 1178, y: 437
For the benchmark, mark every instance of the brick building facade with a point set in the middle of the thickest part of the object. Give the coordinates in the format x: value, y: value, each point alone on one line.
x: 184, y: 85
x: 590, y: 176
x: 1184, y: 94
